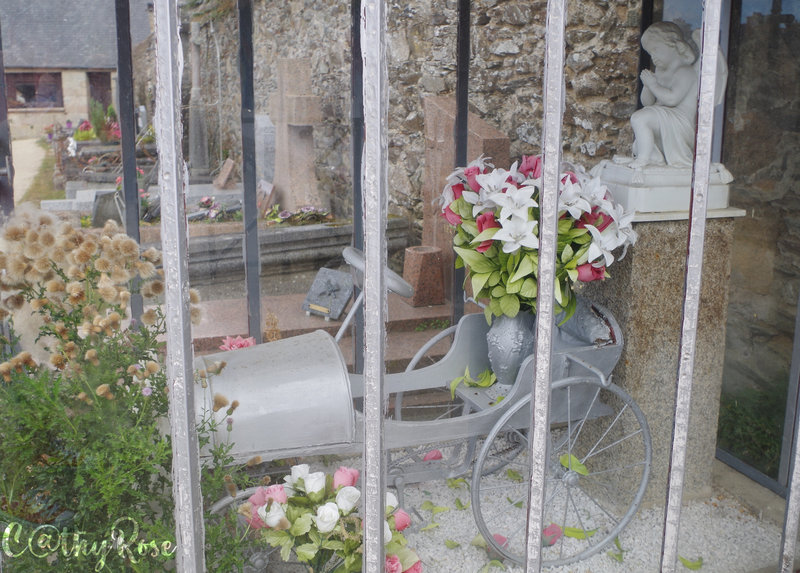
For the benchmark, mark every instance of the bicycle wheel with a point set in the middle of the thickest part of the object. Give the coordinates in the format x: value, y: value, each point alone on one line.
x: 597, y: 471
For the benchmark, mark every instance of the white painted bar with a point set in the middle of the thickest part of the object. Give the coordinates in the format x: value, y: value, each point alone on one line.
x: 376, y: 101
x: 694, y: 268
x: 173, y: 176
x: 548, y: 237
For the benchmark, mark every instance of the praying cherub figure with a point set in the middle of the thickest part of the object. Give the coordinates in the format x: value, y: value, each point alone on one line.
x: 664, y: 128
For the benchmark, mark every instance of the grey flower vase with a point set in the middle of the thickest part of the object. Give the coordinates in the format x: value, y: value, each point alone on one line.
x: 510, y: 341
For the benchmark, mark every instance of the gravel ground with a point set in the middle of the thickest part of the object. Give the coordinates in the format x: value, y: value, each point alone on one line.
x: 719, y: 530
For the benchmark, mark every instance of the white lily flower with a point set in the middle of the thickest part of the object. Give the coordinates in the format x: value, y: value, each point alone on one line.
x: 495, y: 181
x: 387, y: 533
x: 390, y: 500
x: 515, y: 233
x: 480, y: 201
x: 515, y: 202
x: 571, y: 199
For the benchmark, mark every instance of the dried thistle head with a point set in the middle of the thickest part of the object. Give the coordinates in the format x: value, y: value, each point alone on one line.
x: 5, y: 371
x: 58, y: 361
x: 91, y: 356
x: 254, y: 461
x: 149, y: 317
x: 220, y: 402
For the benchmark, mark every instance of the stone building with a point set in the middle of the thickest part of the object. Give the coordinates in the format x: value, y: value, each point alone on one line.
x: 59, y: 57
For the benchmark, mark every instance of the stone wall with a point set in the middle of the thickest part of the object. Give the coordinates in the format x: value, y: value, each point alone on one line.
x: 505, y: 84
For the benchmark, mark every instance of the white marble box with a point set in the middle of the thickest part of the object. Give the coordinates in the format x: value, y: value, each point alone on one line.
x: 660, y: 189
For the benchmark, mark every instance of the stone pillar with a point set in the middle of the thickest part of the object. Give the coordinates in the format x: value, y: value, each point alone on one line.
x: 440, y: 152
x: 295, y: 112
x: 645, y: 294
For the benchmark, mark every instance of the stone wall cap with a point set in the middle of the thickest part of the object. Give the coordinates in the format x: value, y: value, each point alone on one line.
x: 727, y: 212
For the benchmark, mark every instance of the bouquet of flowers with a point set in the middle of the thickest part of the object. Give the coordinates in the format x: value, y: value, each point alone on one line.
x: 495, y: 213
x: 315, y: 515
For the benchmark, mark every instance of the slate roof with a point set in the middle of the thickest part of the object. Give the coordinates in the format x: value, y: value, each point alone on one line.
x: 66, y: 33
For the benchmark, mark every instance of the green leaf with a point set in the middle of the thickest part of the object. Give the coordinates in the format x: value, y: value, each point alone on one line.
x: 450, y: 544
x: 469, y: 227
x: 569, y: 461
x: 579, y: 533
x: 693, y: 565
x: 529, y: 288
x: 485, y: 235
x: 558, y: 293
x: 439, y: 509
x: 517, y: 504
x: 479, y: 541
x: 499, y: 291
x: 453, y: 385
x: 509, y: 304
x: 460, y: 505
x: 567, y: 254
x: 615, y: 555
x: 275, y: 537
x: 514, y: 475
x: 432, y: 525
x: 301, y: 525
x: 494, y: 278
x: 475, y: 261
x: 479, y: 280
x: 333, y: 545
x: 457, y: 483
x: 514, y: 287
x: 572, y: 274
x: 524, y: 269
x: 306, y: 551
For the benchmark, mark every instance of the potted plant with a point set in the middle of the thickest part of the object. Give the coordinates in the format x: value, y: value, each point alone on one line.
x: 495, y: 214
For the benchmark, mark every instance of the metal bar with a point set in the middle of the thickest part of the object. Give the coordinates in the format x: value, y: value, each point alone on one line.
x: 749, y: 471
x: 6, y: 160
x: 127, y: 126
x: 694, y: 269
x: 545, y: 308
x: 373, y: 50
x: 789, y: 428
x: 461, y: 133
x: 252, y: 260
x: 172, y: 180
x: 357, y: 130
x: 792, y: 514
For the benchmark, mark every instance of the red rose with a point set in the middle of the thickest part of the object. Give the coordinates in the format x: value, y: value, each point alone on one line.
x: 458, y: 189
x: 531, y: 166
x: 485, y: 221
x: 592, y: 219
x: 452, y: 217
x: 587, y: 272
x: 470, y: 173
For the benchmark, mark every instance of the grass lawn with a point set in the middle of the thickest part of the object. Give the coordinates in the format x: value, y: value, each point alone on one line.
x: 41, y: 187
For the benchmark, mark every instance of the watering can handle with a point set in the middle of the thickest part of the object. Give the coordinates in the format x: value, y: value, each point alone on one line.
x: 394, y: 282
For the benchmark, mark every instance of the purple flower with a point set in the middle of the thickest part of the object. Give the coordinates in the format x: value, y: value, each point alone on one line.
x: 308, y: 208
x: 285, y: 214
x: 146, y: 391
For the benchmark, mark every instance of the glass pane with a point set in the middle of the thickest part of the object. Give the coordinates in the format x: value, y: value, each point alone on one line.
x: 761, y: 138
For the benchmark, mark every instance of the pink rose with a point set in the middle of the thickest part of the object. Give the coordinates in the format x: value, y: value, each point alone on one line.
x: 470, y: 173
x: 415, y: 568
x: 587, y: 272
x: 501, y: 540
x: 593, y: 218
x: 235, y: 343
x: 344, y: 477
x: 485, y: 221
x: 452, y: 218
x: 551, y: 534
x: 276, y: 493
x: 393, y: 564
x: 531, y: 166
x: 432, y: 455
x: 458, y: 189
x: 401, y: 520
x: 569, y: 175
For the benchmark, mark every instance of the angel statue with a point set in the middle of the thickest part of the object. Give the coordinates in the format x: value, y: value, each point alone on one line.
x: 664, y: 129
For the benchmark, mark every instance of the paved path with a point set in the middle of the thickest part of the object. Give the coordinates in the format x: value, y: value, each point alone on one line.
x: 28, y: 156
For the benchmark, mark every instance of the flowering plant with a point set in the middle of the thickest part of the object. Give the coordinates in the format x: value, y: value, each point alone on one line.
x: 495, y: 213
x: 316, y: 516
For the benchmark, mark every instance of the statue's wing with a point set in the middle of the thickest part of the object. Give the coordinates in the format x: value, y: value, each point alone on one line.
x: 722, y: 68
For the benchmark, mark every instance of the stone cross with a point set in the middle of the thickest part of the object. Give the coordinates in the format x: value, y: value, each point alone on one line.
x: 440, y: 152
x: 294, y: 112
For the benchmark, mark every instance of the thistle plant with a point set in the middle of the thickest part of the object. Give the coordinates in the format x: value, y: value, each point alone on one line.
x: 84, y: 396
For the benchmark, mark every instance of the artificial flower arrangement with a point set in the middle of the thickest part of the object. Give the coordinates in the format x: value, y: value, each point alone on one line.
x: 495, y: 213
x: 316, y: 516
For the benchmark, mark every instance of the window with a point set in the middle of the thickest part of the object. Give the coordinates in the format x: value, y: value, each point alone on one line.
x: 34, y: 90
